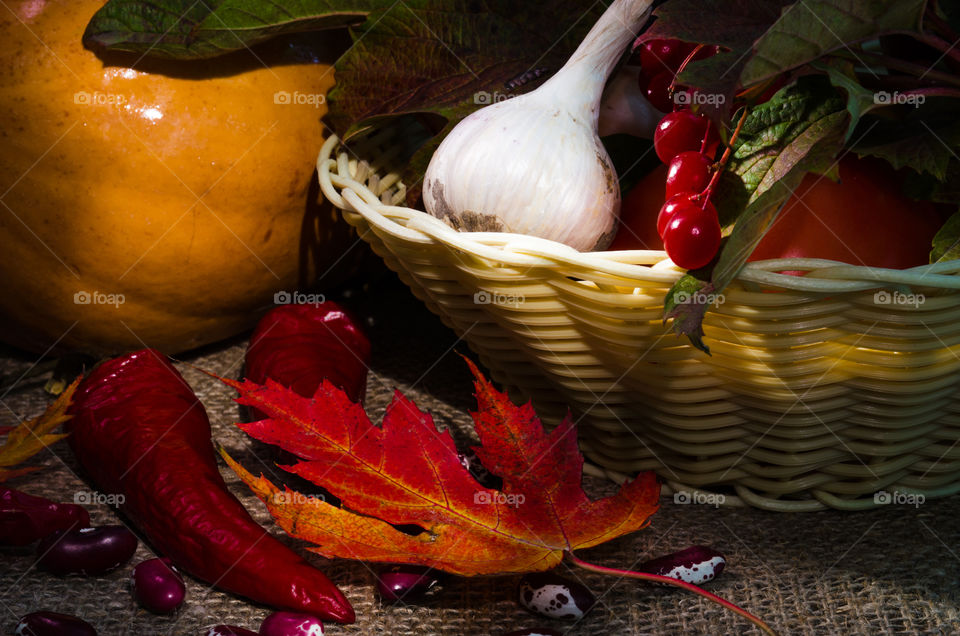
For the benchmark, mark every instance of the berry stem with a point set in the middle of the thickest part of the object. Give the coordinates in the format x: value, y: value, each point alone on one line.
x: 724, y: 158
x: 683, y: 65
x: 644, y: 576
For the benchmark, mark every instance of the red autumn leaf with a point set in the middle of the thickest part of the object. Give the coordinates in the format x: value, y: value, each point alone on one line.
x: 406, y: 472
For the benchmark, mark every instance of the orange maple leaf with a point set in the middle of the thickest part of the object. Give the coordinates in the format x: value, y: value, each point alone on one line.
x: 406, y: 472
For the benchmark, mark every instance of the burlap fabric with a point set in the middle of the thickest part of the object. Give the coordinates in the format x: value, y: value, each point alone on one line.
x: 889, y: 571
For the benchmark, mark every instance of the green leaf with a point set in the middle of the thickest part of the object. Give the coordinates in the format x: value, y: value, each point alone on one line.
x: 946, y: 244
x: 859, y: 99
x: 446, y: 58
x: 781, y: 133
x: 925, y: 139
x: 187, y: 29
x: 809, y: 29
x: 733, y: 24
x: 686, y: 305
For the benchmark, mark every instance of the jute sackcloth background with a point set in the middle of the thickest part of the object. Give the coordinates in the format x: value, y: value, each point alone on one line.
x: 888, y: 571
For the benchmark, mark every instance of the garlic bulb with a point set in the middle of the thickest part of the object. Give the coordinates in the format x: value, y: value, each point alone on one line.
x: 534, y: 164
x: 624, y: 108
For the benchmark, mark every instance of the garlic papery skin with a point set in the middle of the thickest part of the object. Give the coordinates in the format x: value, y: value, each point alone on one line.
x: 534, y: 164
x: 625, y: 109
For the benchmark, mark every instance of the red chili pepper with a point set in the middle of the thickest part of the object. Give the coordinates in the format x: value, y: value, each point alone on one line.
x: 138, y: 429
x: 300, y: 345
x: 25, y: 518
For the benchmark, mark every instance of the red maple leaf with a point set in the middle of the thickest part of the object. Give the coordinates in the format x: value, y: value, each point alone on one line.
x: 407, y: 472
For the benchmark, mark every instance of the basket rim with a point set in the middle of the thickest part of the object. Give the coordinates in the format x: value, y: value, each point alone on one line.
x: 342, y: 181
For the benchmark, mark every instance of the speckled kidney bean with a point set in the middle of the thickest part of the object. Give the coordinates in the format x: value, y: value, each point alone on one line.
x: 158, y: 586
x: 697, y: 564
x: 553, y: 596
x: 406, y: 582
x: 291, y: 624
x: 229, y: 630
x: 88, y: 551
x: 535, y: 631
x: 53, y: 624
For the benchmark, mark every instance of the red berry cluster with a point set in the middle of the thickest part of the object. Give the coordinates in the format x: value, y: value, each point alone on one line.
x: 660, y: 61
x: 687, y: 142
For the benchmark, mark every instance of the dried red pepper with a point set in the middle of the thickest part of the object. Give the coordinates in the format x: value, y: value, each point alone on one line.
x: 138, y: 429
x: 26, y: 518
x: 299, y: 346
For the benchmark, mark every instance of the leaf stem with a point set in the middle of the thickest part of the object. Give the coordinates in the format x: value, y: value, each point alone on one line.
x: 915, y: 70
x: 724, y: 158
x: 941, y: 45
x: 933, y: 91
x: 937, y: 24
x: 644, y: 576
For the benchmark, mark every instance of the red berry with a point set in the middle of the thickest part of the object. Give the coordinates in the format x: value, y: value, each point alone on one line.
x: 658, y: 56
x: 688, y: 172
x: 683, y: 130
x: 667, y: 210
x: 657, y: 91
x: 692, y: 235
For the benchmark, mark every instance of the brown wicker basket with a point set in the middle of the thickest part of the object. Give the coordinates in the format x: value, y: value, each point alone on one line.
x: 835, y: 389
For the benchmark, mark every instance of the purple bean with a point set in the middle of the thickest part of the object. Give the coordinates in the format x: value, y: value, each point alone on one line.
x: 158, y: 586
x: 53, y: 624
x: 291, y: 624
x: 89, y: 551
x: 697, y: 564
x: 406, y: 582
x: 229, y: 630
x: 553, y: 596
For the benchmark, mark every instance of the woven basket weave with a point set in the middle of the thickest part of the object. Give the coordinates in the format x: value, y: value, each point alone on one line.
x: 839, y: 389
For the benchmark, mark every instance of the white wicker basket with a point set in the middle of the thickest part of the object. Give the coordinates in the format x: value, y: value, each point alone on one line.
x: 817, y: 393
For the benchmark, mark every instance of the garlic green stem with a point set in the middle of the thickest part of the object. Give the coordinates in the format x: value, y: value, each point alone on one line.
x: 597, y: 55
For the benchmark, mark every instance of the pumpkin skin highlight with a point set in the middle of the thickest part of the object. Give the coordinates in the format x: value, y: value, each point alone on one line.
x: 186, y: 188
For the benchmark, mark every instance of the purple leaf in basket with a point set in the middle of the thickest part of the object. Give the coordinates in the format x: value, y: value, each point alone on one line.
x: 443, y: 59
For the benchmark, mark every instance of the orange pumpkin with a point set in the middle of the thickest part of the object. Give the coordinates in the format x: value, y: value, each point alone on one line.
x: 153, y: 203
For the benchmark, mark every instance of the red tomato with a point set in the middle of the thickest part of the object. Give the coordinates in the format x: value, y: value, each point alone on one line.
x: 638, y: 214
x: 863, y: 220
